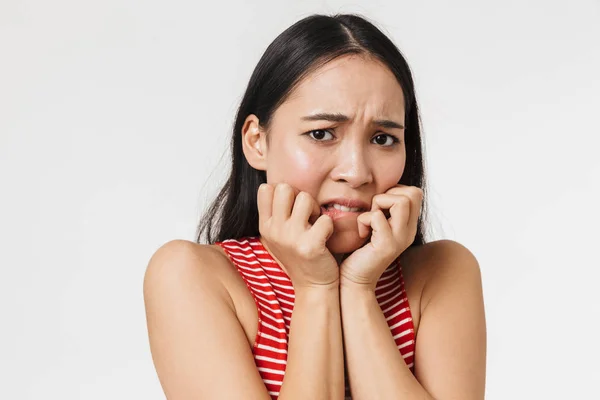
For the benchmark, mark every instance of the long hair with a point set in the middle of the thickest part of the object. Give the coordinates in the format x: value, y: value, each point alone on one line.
x: 296, y: 52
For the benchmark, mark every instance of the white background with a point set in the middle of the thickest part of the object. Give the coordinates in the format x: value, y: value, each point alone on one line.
x: 114, y: 116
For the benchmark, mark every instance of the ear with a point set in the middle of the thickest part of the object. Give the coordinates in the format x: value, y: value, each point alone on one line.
x: 254, y: 143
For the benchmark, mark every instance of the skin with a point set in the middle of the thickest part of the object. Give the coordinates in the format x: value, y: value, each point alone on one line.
x: 187, y: 284
x: 346, y: 162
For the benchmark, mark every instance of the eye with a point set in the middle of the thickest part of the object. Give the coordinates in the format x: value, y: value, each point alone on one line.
x: 382, y: 139
x: 318, y: 134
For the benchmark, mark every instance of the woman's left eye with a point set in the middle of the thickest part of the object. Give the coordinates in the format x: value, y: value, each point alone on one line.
x: 318, y: 134
x: 383, y: 139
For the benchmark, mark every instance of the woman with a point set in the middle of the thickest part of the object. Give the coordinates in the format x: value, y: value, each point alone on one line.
x: 321, y: 216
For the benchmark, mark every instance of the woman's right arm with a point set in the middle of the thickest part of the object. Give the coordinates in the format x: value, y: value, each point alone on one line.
x: 200, y: 350
x: 315, y: 367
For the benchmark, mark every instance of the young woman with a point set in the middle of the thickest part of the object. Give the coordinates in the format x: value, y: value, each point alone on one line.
x: 321, y: 215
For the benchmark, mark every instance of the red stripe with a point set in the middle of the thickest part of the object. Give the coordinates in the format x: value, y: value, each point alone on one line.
x: 274, y: 295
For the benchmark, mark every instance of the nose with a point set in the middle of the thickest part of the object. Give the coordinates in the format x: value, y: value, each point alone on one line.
x: 352, y: 165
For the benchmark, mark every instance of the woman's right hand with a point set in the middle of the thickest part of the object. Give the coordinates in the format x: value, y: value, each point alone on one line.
x: 285, y: 216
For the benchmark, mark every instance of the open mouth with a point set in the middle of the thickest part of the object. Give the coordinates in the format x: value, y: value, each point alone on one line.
x: 333, y: 206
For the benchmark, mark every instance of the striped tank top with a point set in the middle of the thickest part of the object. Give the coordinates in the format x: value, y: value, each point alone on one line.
x: 273, y: 294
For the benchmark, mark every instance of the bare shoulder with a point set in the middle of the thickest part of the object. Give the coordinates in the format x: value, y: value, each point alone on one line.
x: 181, y: 264
x: 197, y: 341
x: 207, y: 271
x: 428, y: 268
x: 445, y: 277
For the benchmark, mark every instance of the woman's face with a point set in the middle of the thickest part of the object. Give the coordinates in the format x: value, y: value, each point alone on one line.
x: 353, y: 158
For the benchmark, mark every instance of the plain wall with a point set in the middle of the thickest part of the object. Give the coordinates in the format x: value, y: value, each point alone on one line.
x: 115, y: 119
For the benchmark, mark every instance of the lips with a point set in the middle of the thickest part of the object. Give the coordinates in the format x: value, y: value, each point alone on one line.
x: 346, y: 202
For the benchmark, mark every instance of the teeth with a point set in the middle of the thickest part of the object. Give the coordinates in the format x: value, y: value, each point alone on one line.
x: 343, y: 208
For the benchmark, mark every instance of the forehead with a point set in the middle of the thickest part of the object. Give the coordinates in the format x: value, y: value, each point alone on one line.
x: 349, y: 84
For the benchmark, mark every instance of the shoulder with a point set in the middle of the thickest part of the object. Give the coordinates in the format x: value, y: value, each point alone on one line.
x: 197, y: 340
x: 180, y: 264
x: 183, y: 256
x: 452, y: 330
x: 435, y: 266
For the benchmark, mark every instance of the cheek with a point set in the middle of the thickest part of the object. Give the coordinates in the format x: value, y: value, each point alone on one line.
x: 389, y: 174
x: 300, y: 167
x: 304, y: 170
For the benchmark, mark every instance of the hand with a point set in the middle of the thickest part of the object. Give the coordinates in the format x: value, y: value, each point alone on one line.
x: 389, y: 236
x: 285, y: 216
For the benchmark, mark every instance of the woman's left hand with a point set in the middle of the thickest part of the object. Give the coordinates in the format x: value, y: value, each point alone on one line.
x: 389, y: 236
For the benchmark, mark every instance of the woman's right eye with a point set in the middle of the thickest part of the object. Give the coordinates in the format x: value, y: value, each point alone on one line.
x: 318, y: 134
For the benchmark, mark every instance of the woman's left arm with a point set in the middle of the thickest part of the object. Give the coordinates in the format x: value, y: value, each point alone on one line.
x: 450, y: 353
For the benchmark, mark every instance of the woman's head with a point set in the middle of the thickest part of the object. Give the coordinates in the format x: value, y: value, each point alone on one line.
x: 331, y: 110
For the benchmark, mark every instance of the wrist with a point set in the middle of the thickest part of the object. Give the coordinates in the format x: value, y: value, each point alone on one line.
x: 316, y: 290
x: 349, y: 286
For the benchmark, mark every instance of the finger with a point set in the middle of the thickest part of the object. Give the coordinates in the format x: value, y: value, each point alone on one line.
x: 322, y: 229
x: 383, y: 202
x: 416, y: 207
x: 400, y: 214
x: 283, y: 201
x: 380, y: 225
x: 364, y: 224
x: 416, y: 194
x: 305, y: 210
x: 264, y: 203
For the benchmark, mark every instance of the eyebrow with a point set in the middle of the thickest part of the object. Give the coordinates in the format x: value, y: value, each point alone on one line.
x: 337, y: 117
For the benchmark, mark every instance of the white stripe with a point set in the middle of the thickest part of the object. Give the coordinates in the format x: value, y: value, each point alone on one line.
x: 271, y: 348
x: 280, y: 330
x: 391, y: 298
x: 275, y: 311
x: 389, y: 284
x: 266, y: 335
x: 402, y: 300
x: 408, y: 354
x: 403, y: 345
x: 279, y: 278
x: 412, y: 364
x: 272, y: 382
x: 288, y: 287
x: 385, y: 293
x: 396, y: 314
x: 245, y: 261
x: 293, y: 296
x: 257, y: 283
x: 403, y: 333
x: 386, y: 277
x: 266, y: 293
x: 249, y: 269
x: 269, y: 261
x: 269, y: 359
x: 272, y: 269
x: 236, y: 254
x: 271, y: 371
x: 277, y: 320
x: 286, y: 302
x: 405, y: 320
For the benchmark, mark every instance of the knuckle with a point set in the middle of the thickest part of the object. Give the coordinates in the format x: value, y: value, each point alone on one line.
x: 303, y: 197
x: 283, y: 187
x: 305, y: 249
x: 404, y: 200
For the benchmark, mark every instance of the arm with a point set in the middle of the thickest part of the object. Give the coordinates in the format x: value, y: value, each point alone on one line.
x: 199, y: 347
x: 315, y: 368
x: 450, y: 347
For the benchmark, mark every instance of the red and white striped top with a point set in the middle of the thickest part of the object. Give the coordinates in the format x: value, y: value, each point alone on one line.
x: 274, y: 296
